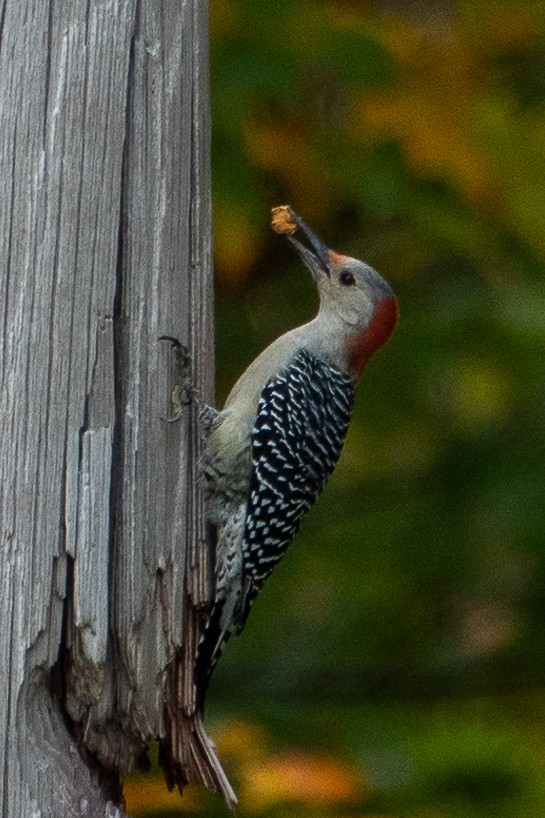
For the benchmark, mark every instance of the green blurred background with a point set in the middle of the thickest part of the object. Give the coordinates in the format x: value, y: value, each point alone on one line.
x: 394, y: 665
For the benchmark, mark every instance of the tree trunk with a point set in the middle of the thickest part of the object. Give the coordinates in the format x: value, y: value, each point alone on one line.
x: 106, y: 246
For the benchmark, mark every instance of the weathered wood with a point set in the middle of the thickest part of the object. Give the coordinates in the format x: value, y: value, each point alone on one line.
x: 106, y: 246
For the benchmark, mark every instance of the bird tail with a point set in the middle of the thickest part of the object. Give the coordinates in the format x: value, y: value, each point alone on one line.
x: 209, y: 650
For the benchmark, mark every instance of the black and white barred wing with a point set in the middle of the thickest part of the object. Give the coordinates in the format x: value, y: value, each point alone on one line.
x: 298, y: 435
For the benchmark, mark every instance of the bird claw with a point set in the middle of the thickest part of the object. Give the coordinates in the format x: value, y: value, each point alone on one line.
x: 183, y: 392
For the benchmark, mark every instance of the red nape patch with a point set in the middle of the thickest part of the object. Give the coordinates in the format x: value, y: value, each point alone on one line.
x: 376, y: 334
x: 335, y: 258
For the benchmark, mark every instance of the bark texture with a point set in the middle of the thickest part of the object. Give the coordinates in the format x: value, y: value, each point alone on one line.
x: 106, y: 246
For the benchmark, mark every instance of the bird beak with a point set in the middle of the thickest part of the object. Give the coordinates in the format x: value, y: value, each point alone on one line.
x: 317, y: 257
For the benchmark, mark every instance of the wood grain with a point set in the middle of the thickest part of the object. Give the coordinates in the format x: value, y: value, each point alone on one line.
x: 106, y: 246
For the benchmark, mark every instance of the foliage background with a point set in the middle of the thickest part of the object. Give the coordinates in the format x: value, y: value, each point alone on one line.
x: 394, y: 665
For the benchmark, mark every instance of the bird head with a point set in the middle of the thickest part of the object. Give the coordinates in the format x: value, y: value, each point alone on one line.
x: 353, y: 296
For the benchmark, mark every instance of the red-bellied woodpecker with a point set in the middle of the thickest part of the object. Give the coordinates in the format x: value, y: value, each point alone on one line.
x: 271, y: 450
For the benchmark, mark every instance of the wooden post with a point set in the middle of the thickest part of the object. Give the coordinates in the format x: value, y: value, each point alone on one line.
x: 106, y: 246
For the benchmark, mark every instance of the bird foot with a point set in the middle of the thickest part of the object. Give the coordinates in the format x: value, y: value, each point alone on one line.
x: 183, y: 392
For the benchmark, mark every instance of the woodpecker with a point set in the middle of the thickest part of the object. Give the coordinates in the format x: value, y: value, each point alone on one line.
x: 269, y: 453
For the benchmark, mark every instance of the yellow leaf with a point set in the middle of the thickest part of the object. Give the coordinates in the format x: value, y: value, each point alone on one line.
x: 236, y: 244
x: 315, y: 780
x: 145, y: 794
x: 240, y: 741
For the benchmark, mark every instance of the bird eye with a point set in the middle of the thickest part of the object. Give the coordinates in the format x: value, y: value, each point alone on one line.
x: 347, y: 278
